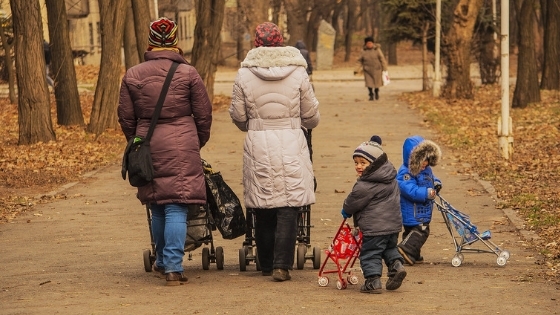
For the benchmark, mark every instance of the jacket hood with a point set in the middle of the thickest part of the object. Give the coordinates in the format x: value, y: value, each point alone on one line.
x: 416, y: 150
x: 380, y: 171
x: 164, y: 54
x: 273, y: 63
x: 300, y: 45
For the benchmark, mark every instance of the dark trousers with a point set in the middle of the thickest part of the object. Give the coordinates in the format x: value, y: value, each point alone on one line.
x: 413, y: 239
x: 275, y: 237
x: 374, y: 250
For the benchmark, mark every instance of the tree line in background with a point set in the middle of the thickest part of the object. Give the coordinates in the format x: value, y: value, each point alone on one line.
x: 470, y: 32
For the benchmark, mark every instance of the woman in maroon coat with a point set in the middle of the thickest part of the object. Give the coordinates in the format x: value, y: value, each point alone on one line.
x: 182, y: 129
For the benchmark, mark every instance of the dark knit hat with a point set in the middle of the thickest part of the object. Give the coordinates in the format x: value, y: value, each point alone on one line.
x: 369, y: 150
x: 376, y: 138
x: 268, y: 35
x: 163, y: 34
x: 368, y: 39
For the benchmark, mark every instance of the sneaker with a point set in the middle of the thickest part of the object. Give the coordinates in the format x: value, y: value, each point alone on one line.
x: 372, y: 285
x: 409, y: 260
x: 396, y: 275
x: 175, y: 278
x: 281, y: 275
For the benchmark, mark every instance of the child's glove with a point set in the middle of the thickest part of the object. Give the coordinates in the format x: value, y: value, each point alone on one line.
x: 345, y: 215
x: 437, y: 186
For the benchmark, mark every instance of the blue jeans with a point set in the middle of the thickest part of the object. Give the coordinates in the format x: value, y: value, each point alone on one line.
x: 169, y: 229
x: 275, y: 237
x: 377, y: 248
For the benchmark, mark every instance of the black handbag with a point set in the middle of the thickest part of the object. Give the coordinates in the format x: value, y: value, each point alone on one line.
x: 137, y: 158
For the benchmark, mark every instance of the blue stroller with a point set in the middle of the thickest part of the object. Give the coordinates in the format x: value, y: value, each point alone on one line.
x: 464, y: 234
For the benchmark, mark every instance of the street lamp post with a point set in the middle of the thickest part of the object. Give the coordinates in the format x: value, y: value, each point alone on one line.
x: 505, y: 134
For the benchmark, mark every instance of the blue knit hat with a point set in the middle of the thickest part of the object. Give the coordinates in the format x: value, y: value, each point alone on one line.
x: 369, y: 150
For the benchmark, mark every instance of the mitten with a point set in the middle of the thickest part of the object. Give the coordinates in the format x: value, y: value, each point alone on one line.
x: 345, y: 215
x: 437, y: 186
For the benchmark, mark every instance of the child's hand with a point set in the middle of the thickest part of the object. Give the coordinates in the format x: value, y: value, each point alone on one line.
x: 431, y: 193
x: 345, y: 215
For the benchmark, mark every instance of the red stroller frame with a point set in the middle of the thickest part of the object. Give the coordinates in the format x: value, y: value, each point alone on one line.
x: 343, y: 251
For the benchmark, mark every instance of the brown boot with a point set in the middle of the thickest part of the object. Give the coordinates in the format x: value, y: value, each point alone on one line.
x: 175, y: 278
x: 281, y: 275
x: 159, y: 270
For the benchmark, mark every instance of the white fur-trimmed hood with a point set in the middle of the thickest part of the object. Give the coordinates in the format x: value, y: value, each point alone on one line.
x: 267, y: 57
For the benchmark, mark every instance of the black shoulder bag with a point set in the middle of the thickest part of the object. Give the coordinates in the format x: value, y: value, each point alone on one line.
x: 137, y: 158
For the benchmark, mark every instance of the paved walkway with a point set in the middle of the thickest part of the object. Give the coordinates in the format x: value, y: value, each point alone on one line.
x: 83, y: 253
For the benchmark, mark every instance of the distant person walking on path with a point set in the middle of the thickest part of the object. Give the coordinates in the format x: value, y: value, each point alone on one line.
x: 272, y: 99
x: 374, y: 203
x: 305, y: 53
x: 48, y: 57
x: 418, y: 186
x: 182, y: 129
x: 372, y: 63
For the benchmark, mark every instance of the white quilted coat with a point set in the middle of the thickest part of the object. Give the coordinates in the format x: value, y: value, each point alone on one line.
x: 272, y: 99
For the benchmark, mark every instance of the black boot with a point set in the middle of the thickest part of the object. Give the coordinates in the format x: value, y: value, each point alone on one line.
x: 370, y: 94
x: 410, y: 247
x: 372, y: 285
x: 396, y: 275
x: 376, y: 93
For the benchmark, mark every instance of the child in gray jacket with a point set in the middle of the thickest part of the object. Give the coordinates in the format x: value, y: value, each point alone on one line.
x: 374, y: 203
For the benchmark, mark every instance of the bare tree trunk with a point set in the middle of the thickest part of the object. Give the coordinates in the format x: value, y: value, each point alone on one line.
x: 339, y: 10
x: 322, y: 10
x: 9, y: 65
x: 103, y: 112
x: 255, y: 12
x: 296, y: 12
x: 551, y: 66
x: 34, y: 108
x: 142, y: 19
x: 68, y: 108
x: 425, y: 61
x: 459, y: 40
x: 131, y: 51
x: 276, y: 7
x: 350, y: 27
x: 527, y: 84
x: 206, y: 47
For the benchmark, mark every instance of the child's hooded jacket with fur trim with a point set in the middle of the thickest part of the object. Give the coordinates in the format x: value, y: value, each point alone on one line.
x: 414, y: 183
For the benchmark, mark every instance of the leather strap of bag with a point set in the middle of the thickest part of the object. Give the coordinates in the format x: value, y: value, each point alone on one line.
x: 159, y: 104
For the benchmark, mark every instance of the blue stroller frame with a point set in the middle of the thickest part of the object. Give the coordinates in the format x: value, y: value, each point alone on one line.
x: 464, y: 234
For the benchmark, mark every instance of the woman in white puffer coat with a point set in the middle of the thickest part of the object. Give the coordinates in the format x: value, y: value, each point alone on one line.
x: 272, y: 100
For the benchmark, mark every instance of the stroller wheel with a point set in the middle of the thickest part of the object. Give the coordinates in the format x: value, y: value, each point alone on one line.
x: 205, y: 258
x: 323, y: 281
x: 242, y: 259
x: 501, y: 261
x: 220, y: 258
x: 257, y: 262
x: 353, y: 279
x: 301, y: 249
x: 456, y: 261
x: 316, y: 258
x: 341, y: 284
x: 461, y: 256
x: 505, y: 254
x: 147, y: 260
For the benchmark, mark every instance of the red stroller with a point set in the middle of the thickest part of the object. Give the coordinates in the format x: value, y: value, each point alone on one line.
x: 343, y: 251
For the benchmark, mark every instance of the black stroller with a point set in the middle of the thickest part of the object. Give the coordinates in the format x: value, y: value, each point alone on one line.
x: 248, y: 252
x: 200, y: 226
x: 222, y: 211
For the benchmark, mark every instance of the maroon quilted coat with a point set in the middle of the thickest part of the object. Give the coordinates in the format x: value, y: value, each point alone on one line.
x: 183, y: 126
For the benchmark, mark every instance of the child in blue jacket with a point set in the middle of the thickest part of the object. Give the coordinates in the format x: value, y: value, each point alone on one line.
x: 418, y: 186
